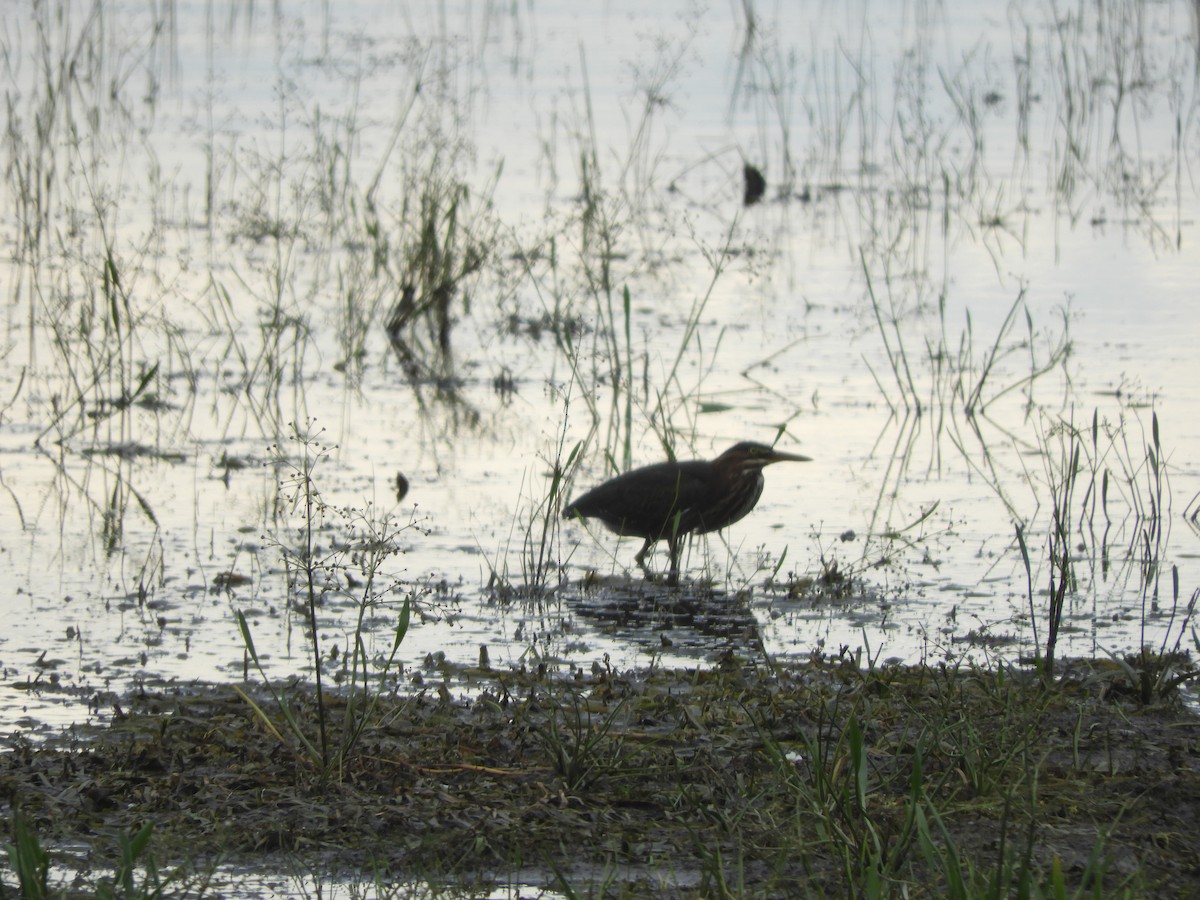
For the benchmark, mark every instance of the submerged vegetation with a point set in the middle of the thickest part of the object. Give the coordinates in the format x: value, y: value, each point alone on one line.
x: 497, y: 263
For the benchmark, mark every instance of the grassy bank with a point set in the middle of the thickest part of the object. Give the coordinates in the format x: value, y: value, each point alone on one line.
x: 830, y: 778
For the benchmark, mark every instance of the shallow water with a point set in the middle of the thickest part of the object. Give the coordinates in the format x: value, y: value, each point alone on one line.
x: 233, y: 198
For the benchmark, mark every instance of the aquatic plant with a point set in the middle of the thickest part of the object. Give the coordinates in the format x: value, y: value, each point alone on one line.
x: 353, y: 567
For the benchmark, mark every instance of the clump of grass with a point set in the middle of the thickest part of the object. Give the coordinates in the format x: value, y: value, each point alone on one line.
x: 449, y: 243
x: 582, y: 745
x: 1121, y: 490
x: 1062, y: 477
x: 28, y: 860
x: 538, y: 553
x: 135, y: 875
x: 881, y: 793
x: 1153, y: 674
x: 951, y: 377
x: 354, y: 567
x: 536, y: 526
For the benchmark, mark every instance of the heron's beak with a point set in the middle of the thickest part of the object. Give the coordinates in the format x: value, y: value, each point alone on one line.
x: 780, y: 456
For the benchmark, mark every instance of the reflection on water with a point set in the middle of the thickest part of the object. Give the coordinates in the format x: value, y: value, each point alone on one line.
x: 506, y: 254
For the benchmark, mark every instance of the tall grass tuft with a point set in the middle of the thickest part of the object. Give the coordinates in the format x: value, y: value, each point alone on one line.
x: 352, y: 567
x: 1105, y: 490
x: 448, y: 244
x: 1061, y: 477
x: 135, y: 873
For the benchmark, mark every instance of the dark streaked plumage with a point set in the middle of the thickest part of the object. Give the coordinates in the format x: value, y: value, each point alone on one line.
x: 670, y: 500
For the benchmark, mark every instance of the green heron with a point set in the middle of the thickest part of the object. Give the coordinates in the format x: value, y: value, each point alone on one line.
x: 670, y: 500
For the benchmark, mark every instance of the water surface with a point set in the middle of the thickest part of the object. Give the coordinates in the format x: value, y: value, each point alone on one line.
x: 976, y: 235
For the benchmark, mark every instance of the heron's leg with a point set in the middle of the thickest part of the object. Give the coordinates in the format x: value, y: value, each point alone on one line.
x: 640, y: 559
x: 674, y: 545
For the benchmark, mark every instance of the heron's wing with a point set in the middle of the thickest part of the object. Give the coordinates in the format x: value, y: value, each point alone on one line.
x: 653, y: 501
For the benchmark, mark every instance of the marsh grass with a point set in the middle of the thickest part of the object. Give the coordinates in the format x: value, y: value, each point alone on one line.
x: 535, y: 526
x: 121, y: 330
x: 98, y: 340
x: 767, y: 80
x: 946, y: 382
x: 1102, y: 490
x: 601, y: 221
x: 885, y: 818
x: 583, y: 743
x: 950, y: 378
x: 1061, y: 480
x: 840, y: 776
x: 540, y: 538
x: 947, y: 393
x: 135, y: 872
x: 449, y: 243
x: 313, y: 576
x: 260, y: 312
x: 27, y: 859
x: 643, y: 385
x: 665, y: 404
